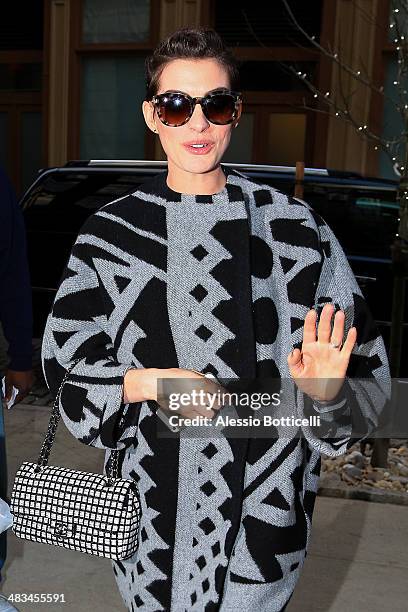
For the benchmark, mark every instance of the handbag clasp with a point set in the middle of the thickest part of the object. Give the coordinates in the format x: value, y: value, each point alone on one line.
x: 63, y: 530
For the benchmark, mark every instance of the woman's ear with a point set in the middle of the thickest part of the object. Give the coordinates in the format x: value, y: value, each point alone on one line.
x: 148, y: 114
x: 238, y: 115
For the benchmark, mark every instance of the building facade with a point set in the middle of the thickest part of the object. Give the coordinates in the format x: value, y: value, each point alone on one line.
x: 73, y: 81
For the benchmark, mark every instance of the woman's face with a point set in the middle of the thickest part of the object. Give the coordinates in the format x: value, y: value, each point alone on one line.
x: 196, y: 78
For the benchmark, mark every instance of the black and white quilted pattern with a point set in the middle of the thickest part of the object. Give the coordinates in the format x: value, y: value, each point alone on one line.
x: 220, y: 284
x: 76, y: 510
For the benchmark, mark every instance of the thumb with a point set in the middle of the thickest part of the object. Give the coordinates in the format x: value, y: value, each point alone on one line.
x: 294, y: 359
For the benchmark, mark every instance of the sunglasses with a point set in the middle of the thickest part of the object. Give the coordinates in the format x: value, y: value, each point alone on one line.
x: 175, y: 108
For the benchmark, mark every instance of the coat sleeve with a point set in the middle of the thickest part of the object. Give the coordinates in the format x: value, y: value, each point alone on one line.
x: 364, y: 400
x: 91, y: 401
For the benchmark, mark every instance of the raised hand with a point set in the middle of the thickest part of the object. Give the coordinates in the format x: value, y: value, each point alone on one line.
x: 320, y: 367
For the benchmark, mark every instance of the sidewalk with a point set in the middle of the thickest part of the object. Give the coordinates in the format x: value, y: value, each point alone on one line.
x: 357, y: 561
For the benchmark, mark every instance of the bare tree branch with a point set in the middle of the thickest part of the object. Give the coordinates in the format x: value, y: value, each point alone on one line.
x: 402, y: 65
x: 343, y: 108
x: 345, y: 113
x: 334, y: 57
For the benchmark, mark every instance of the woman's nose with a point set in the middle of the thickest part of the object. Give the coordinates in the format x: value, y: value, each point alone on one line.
x: 198, y: 120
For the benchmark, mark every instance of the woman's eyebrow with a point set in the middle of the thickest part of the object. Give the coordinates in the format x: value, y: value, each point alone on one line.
x: 217, y: 89
x: 174, y: 91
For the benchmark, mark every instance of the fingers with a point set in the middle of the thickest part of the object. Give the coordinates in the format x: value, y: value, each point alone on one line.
x: 338, y: 328
x: 324, y: 327
x: 326, y: 333
x: 309, y: 327
x: 349, y: 342
x: 335, y: 336
x: 295, y: 359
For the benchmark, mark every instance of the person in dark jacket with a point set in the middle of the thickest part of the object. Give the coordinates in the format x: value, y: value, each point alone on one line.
x: 15, y: 316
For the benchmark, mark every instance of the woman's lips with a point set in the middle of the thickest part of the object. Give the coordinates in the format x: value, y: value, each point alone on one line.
x: 203, y: 150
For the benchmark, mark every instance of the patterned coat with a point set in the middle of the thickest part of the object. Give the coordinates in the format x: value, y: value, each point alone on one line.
x: 220, y: 284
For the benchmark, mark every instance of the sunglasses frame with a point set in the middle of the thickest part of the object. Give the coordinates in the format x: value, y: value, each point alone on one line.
x: 237, y: 95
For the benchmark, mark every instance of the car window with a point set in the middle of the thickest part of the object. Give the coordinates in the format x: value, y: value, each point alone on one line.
x: 364, y: 220
x: 63, y: 200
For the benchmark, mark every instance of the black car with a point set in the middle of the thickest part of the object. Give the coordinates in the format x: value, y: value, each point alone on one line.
x: 362, y: 212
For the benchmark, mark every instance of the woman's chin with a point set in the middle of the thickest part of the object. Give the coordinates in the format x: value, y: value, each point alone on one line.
x: 197, y: 164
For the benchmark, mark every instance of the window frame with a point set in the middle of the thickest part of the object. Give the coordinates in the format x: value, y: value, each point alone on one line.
x: 293, y: 101
x: 79, y: 50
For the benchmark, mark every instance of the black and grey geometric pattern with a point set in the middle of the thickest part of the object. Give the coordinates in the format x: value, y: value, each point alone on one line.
x: 220, y: 284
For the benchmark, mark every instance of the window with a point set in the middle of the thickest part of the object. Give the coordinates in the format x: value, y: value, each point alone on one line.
x: 275, y: 76
x: 241, y: 143
x: 356, y: 214
x: 21, y: 79
x: 112, y: 124
x: 113, y: 39
x: 286, y: 134
x: 122, y: 21
x: 21, y: 76
x: 244, y: 23
x: 270, y: 49
x: 392, y: 122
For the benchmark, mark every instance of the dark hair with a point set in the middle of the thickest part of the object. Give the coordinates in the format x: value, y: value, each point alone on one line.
x: 189, y: 43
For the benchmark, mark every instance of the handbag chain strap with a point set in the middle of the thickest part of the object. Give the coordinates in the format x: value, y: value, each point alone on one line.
x: 112, y: 465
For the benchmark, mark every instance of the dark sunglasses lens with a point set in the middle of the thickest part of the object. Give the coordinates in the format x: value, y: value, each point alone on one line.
x: 174, y: 109
x: 220, y: 108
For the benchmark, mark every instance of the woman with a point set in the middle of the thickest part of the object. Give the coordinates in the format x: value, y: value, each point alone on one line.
x: 204, y: 271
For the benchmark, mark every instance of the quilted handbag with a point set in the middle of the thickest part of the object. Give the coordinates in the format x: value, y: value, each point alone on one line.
x: 90, y: 513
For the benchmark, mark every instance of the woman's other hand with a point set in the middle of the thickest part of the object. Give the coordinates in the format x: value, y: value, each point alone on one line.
x: 320, y: 367
x: 142, y: 384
